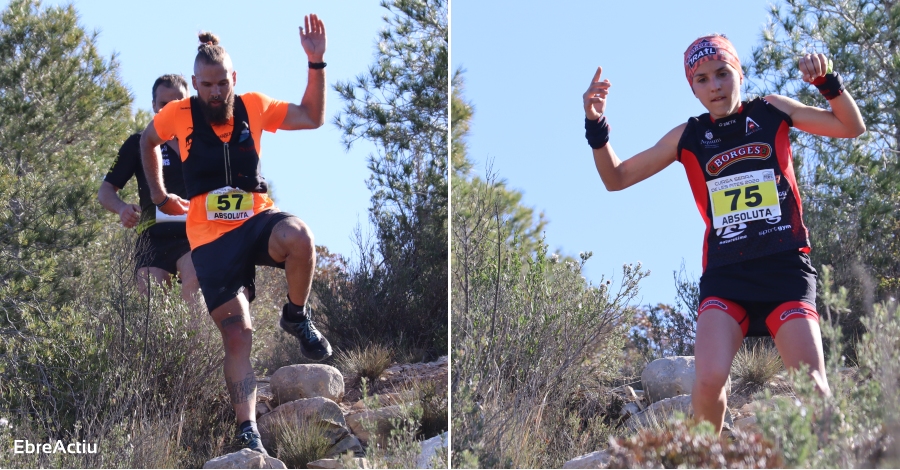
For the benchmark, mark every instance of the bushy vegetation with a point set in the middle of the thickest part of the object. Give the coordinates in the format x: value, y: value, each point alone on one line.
x: 534, y: 344
x: 858, y: 424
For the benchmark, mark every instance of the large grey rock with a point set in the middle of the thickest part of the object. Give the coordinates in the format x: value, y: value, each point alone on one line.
x: 320, y: 411
x: 244, y: 458
x: 367, y: 423
x: 298, y: 381
x: 671, y: 376
x: 662, y: 410
x: 599, y: 459
x: 429, y: 452
x: 348, y: 444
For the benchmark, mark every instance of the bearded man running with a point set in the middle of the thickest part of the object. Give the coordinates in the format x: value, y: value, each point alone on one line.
x: 232, y: 224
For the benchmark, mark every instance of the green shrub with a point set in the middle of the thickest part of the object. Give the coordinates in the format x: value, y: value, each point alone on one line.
x: 533, y: 343
x: 857, y: 425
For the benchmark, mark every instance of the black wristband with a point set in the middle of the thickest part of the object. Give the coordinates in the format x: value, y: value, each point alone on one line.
x: 317, y: 65
x: 163, y: 202
x: 830, y: 86
x: 596, y: 132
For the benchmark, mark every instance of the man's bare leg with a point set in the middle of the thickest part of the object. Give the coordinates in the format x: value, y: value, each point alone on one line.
x: 160, y: 276
x: 718, y: 339
x: 233, y: 320
x: 292, y: 242
x: 190, y: 286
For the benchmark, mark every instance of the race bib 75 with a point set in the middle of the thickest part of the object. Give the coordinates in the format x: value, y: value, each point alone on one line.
x: 743, y: 198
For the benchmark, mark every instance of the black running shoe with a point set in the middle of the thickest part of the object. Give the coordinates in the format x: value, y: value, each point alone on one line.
x: 252, y: 441
x: 312, y: 344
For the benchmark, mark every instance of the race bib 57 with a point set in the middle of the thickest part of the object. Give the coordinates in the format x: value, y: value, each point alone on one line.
x: 229, y: 204
x: 743, y: 198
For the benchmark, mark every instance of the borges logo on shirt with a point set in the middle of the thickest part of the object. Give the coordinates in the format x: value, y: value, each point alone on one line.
x: 756, y: 151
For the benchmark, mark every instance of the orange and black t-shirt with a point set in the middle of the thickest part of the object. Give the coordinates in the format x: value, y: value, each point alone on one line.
x: 175, y: 120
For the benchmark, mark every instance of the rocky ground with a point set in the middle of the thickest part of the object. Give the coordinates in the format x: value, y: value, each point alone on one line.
x: 664, y: 389
x: 319, y: 394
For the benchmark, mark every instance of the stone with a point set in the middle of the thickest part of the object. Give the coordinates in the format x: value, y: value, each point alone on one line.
x: 366, y: 423
x: 747, y: 424
x: 298, y: 381
x: 630, y: 409
x: 599, y: 459
x: 669, y: 377
x: 244, y: 458
x: 429, y: 452
x: 348, y: 444
x: 261, y: 409
x: 662, y: 410
x: 336, y: 463
x: 319, y: 410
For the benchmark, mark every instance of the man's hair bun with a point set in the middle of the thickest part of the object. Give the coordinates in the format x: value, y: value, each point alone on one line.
x: 208, y: 38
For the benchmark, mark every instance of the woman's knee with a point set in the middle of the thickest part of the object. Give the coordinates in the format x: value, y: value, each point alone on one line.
x: 710, y: 382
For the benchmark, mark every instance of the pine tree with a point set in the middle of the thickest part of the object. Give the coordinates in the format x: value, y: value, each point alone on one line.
x: 850, y: 188
x: 401, y: 106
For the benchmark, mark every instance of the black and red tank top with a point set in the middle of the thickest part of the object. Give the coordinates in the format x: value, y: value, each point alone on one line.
x: 742, y: 176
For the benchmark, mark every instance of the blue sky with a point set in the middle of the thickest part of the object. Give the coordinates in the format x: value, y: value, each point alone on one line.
x: 311, y: 174
x: 526, y: 69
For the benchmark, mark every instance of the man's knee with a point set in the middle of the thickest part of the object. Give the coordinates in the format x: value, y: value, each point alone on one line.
x: 295, y: 237
x: 237, y: 336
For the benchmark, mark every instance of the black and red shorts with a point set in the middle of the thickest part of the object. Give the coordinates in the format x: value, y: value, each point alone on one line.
x: 762, y: 294
x: 226, y: 266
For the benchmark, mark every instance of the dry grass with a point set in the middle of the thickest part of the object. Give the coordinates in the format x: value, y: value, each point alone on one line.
x: 297, y: 444
x: 369, y: 362
x: 756, y: 365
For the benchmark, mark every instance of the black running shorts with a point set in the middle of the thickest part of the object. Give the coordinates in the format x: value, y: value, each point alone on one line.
x: 227, y: 266
x: 160, y: 252
x: 778, y: 283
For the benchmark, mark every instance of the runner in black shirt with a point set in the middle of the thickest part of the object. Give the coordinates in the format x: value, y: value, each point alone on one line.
x: 757, y: 278
x: 162, y: 248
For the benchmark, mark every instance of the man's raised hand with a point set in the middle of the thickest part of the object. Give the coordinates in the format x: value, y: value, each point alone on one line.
x: 595, y: 97
x: 312, y: 38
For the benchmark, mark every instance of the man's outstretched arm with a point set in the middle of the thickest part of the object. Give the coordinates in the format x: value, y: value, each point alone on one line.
x: 310, y: 113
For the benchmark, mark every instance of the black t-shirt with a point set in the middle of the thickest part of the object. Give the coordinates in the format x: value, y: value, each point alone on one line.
x: 741, y: 173
x: 128, y: 164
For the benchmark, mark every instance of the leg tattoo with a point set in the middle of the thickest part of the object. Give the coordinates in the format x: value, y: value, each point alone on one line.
x: 232, y: 319
x: 241, y: 390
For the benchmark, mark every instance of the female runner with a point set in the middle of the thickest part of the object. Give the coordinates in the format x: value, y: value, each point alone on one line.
x: 757, y: 278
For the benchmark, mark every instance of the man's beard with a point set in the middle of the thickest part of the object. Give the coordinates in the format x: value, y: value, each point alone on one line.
x: 220, y: 114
